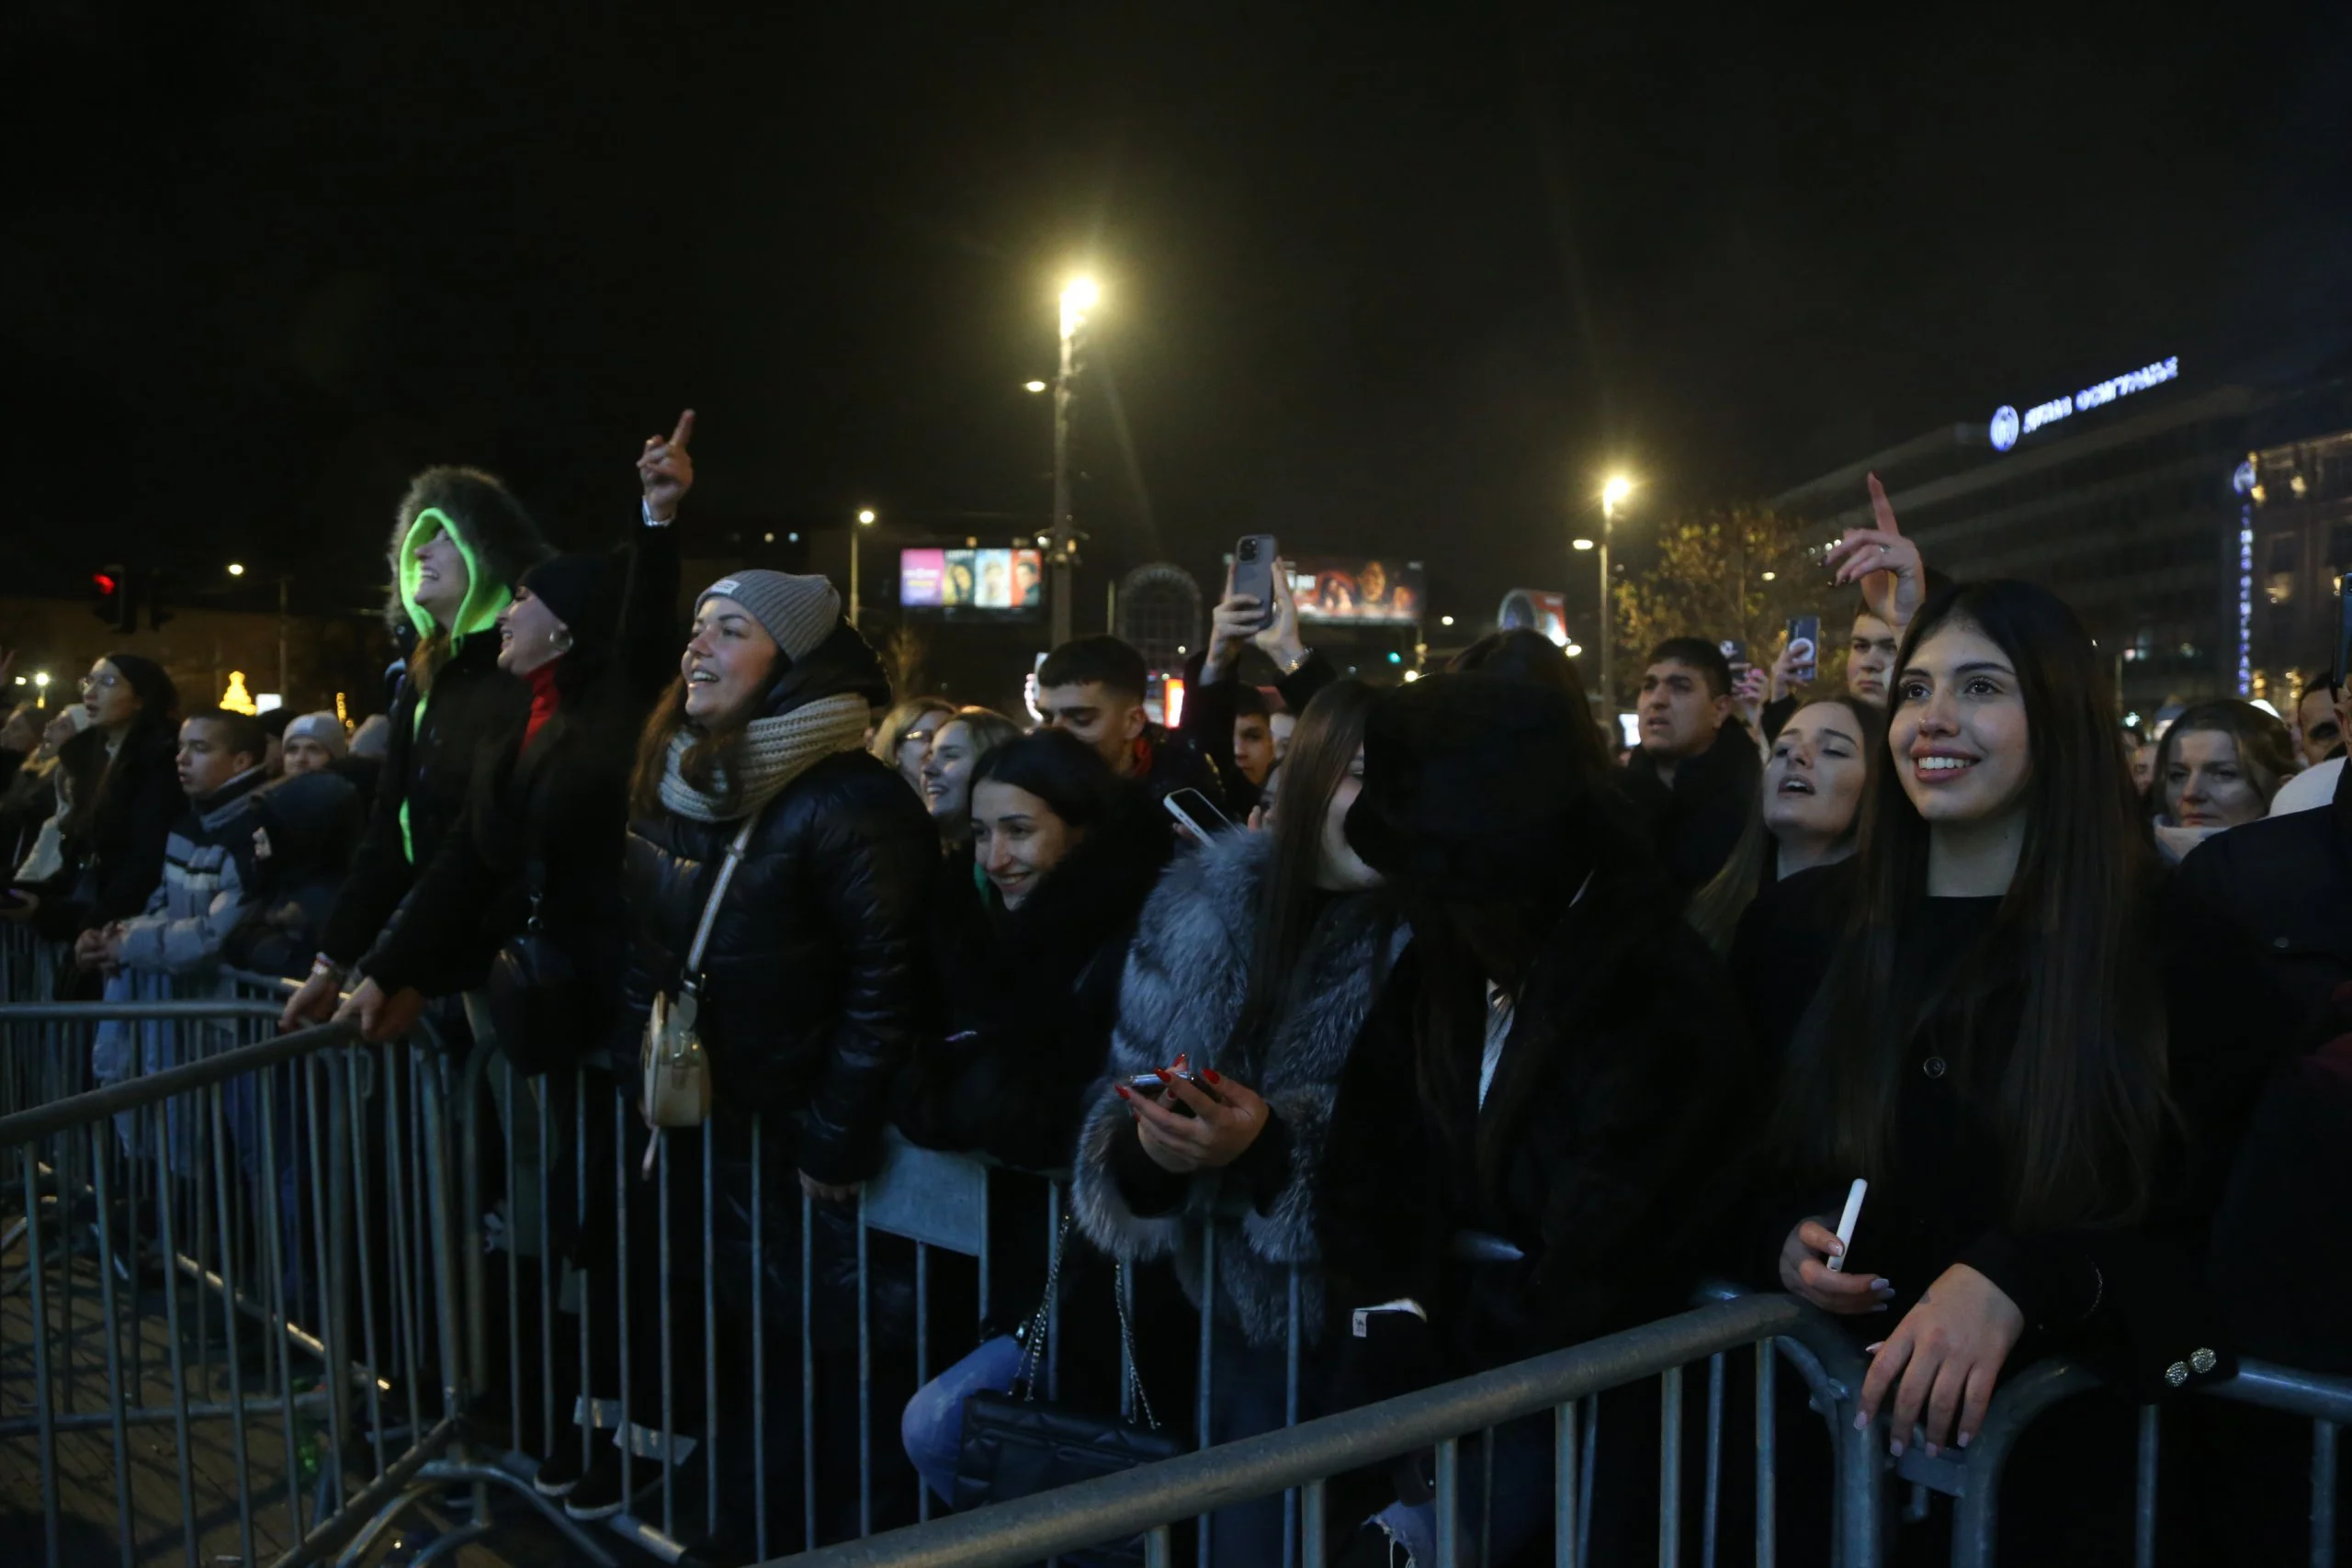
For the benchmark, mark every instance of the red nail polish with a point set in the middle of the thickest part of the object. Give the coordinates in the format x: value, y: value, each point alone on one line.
x: 1124, y: 1092
x: 1212, y: 1078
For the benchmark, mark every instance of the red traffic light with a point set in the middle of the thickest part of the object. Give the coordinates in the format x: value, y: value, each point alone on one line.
x: 106, y: 584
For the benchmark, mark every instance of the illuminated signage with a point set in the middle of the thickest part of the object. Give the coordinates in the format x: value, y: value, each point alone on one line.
x: 2008, y: 425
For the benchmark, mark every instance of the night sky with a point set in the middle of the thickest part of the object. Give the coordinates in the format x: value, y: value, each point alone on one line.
x: 1402, y: 280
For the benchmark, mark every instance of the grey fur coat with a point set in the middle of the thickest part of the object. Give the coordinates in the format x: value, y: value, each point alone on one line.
x: 1182, y: 992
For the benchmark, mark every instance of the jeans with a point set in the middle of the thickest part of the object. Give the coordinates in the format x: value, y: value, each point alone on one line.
x: 1249, y: 1393
x: 933, y: 1427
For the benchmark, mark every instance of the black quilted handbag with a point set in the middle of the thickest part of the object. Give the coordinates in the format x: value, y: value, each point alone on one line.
x: 535, y: 994
x: 1014, y: 1445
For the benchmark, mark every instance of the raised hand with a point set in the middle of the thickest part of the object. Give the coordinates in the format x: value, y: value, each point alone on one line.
x: 666, y: 469
x: 1886, y: 564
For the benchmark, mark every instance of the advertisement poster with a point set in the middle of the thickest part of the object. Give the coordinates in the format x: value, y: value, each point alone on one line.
x: 1535, y: 610
x: 1005, y: 579
x: 1327, y: 588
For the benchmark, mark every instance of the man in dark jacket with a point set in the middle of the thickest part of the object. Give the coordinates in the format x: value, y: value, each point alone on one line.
x: 2286, y: 881
x: 1093, y: 687
x: 1696, y: 772
x: 458, y: 546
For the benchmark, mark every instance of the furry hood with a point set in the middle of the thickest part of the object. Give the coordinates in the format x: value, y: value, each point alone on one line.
x: 496, y: 536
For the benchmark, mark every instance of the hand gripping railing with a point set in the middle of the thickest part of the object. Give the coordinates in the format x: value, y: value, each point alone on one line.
x: 1152, y: 1498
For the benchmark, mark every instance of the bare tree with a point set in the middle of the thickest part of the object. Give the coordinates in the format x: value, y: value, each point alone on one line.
x: 1741, y: 574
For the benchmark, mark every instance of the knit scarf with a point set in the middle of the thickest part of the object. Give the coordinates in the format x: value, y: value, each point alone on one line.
x: 774, y: 752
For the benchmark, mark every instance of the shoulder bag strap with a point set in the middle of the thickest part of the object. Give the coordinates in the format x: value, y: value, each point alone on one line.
x: 717, y: 892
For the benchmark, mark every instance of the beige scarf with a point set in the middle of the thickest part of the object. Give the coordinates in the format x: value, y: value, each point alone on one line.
x: 774, y: 752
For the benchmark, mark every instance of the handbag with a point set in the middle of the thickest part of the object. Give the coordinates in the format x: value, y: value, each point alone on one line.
x: 674, y: 1067
x: 1014, y: 1446
x: 535, y: 993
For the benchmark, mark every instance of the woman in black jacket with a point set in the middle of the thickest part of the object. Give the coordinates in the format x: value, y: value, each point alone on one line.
x: 459, y: 544
x: 1544, y: 1085
x: 808, y: 986
x: 134, y: 719
x: 1990, y: 1047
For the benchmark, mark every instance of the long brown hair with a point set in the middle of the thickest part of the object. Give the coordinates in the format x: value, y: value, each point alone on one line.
x: 2078, y: 1095
x: 1322, y: 749
x: 1715, y: 908
x: 2264, y: 749
x: 709, y: 764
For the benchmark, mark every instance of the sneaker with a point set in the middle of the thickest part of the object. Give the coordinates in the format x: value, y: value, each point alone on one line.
x: 561, y: 1470
x: 597, y: 1494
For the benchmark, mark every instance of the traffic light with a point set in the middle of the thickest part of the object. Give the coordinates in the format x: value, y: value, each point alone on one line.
x: 111, y: 603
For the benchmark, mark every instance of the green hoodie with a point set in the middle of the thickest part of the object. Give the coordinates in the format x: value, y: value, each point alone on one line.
x: 484, y: 602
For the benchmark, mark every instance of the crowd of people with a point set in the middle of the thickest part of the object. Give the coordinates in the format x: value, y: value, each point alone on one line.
x: 1491, y: 1040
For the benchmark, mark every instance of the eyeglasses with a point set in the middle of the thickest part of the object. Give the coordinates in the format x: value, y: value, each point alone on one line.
x: 105, y: 683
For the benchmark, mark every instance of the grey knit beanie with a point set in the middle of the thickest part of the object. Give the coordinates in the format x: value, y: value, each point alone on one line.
x: 799, y: 612
x: 322, y: 727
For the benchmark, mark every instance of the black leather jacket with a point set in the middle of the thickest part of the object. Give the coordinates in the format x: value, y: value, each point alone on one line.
x: 812, y: 978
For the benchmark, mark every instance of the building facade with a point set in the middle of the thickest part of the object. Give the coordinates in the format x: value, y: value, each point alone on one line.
x: 2132, y: 499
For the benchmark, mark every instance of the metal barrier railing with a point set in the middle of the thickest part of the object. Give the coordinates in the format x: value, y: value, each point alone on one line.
x: 384, y: 1277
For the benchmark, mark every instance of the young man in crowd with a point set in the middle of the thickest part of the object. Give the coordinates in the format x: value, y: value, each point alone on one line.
x: 2319, y: 722
x: 1253, y: 735
x: 209, y: 860
x: 1697, y: 767
x: 1093, y: 687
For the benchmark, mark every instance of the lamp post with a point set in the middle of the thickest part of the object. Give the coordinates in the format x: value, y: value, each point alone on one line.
x: 1077, y: 300
x: 856, y: 542
x: 1618, y: 488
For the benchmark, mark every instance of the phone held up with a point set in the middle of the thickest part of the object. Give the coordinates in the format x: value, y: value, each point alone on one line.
x: 1151, y: 1086
x: 1805, y: 647
x: 1194, y: 811
x: 1255, y: 562
x: 1735, y: 655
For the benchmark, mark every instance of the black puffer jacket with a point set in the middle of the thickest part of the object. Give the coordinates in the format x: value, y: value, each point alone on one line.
x: 812, y: 981
x: 1028, y: 997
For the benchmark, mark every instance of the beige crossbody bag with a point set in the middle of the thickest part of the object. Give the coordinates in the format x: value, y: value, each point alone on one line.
x: 675, y: 1067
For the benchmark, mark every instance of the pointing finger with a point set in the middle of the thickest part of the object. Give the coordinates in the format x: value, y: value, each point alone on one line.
x: 1882, y: 509
x: 685, y: 431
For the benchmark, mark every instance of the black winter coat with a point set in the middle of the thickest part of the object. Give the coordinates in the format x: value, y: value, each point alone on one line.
x: 1027, y: 997
x: 1623, y: 1079
x: 1696, y: 823
x: 2286, y: 884
x: 138, y: 800
x: 813, y: 978
x: 555, y: 811
x: 427, y: 774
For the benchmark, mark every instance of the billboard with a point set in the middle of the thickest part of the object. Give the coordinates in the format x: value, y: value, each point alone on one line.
x: 1535, y: 609
x: 1008, y: 581
x: 1335, y: 588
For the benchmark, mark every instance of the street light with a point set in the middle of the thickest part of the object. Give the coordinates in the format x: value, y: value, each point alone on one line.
x: 1078, y: 297
x: 864, y: 520
x: 1616, y: 489
x: 236, y: 568
x: 1032, y: 386
x: 1581, y: 544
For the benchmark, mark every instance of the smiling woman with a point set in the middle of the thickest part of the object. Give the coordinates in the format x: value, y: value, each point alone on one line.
x: 1989, y: 1045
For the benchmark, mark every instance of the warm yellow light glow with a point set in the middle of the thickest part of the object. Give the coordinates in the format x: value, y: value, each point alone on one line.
x: 236, y: 568
x: 1581, y: 544
x: 41, y: 678
x: 236, y: 699
x: 1618, y: 488
x: 866, y: 516
x: 1771, y: 575
x: 1411, y: 676
x: 1034, y: 386
x: 1078, y: 297
x: 1445, y: 620
x: 1572, y: 649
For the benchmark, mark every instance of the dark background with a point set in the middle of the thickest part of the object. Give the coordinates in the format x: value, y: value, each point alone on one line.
x: 1378, y: 280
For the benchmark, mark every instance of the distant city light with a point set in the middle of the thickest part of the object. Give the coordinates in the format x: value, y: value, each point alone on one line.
x: 1572, y: 649
x: 1412, y: 675
x: 41, y: 678
x: 1032, y: 386
x: 1445, y: 620
x: 2007, y: 426
x: 767, y: 538
x: 866, y: 516
x: 236, y: 568
x: 1078, y: 297
x: 1394, y: 657
x: 1618, y: 488
x: 1581, y: 544
x: 1771, y: 575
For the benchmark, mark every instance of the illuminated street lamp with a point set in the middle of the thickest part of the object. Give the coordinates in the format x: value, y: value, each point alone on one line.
x: 1613, y: 491
x: 1032, y: 386
x: 236, y: 568
x: 867, y: 520
x: 1581, y: 544
x: 1078, y: 297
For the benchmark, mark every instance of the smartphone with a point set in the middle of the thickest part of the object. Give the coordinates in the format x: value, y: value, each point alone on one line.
x: 1148, y: 1084
x: 1805, y: 647
x: 1254, y: 558
x: 1736, y: 655
x: 1192, y: 809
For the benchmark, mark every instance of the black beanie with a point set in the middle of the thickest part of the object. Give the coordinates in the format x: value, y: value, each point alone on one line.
x: 584, y: 591
x: 158, y: 698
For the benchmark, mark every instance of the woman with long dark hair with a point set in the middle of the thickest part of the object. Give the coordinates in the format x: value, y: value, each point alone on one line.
x: 1253, y: 969
x: 124, y: 824
x: 1806, y: 815
x: 1989, y: 1048
x: 1544, y: 1085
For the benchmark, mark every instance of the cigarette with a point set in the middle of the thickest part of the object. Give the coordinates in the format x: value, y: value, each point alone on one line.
x: 1846, y: 1223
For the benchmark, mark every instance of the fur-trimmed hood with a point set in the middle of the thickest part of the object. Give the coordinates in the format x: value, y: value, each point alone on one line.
x: 497, y: 536
x: 1186, y: 980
